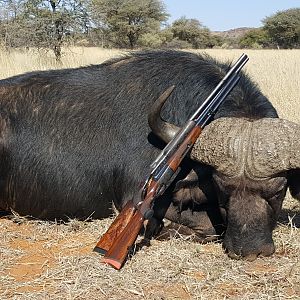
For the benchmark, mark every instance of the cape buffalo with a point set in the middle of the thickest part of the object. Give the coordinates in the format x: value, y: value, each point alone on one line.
x: 74, y: 140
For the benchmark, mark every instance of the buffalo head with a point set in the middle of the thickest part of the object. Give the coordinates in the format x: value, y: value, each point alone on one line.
x: 251, y: 163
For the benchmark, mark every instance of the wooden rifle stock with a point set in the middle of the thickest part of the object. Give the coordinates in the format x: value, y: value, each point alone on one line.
x: 118, y: 252
x: 115, y: 228
x: 120, y: 247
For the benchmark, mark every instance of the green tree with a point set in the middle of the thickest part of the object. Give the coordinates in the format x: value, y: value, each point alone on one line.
x: 255, y: 38
x: 284, y: 28
x: 46, y: 24
x: 128, y: 20
x: 11, y: 32
x: 193, y: 32
x: 157, y: 39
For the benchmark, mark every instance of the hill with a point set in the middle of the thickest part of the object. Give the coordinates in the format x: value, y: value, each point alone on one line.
x: 232, y: 33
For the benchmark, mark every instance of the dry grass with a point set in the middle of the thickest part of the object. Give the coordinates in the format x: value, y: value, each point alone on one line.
x: 17, y: 62
x: 278, y: 75
x: 42, y: 260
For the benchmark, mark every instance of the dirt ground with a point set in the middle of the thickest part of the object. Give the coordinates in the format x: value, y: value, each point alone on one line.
x: 47, y: 260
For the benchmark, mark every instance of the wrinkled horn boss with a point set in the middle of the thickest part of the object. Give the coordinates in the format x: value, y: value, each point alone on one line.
x: 257, y: 148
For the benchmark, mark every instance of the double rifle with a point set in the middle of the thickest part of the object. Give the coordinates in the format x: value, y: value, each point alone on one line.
x: 121, y: 235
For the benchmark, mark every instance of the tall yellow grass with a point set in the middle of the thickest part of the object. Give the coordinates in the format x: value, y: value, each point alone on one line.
x: 20, y: 61
x: 277, y: 72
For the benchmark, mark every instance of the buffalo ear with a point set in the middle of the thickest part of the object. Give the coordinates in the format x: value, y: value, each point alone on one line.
x: 294, y: 183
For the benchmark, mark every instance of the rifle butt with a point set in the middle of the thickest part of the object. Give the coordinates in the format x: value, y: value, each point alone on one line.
x: 117, y: 253
x: 115, y: 228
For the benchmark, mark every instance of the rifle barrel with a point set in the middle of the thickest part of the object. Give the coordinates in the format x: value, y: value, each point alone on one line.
x: 234, y: 70
x: 215, y: 98
x: 212, y: 108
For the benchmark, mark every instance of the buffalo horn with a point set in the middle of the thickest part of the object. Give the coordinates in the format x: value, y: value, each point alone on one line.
x: 166, y: 131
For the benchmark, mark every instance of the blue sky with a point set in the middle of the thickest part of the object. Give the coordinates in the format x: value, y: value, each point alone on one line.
x: 220, y: 15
